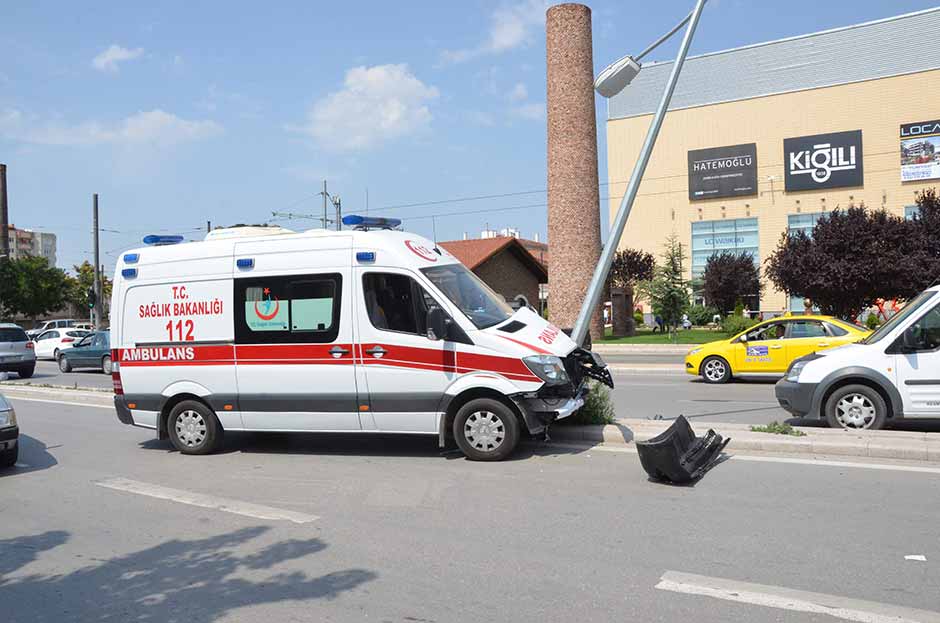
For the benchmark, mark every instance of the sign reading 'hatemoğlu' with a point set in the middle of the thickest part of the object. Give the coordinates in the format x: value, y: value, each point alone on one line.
x: 723, y: 172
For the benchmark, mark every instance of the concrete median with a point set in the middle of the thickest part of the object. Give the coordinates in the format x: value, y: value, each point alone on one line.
x: 883, y: 444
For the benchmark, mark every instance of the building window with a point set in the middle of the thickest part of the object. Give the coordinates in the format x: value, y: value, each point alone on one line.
x: 710, y: 237
x: 804, y: 223
x: 911, y: 211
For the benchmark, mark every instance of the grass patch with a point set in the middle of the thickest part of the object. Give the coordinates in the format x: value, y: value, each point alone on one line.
x: 775, y: 428
x: 646, y: 336
x: 598, y: 408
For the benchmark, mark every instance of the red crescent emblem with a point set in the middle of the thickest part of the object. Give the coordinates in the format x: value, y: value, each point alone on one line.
x: 277, y: 307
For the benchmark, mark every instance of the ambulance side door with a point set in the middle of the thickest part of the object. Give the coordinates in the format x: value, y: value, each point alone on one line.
x: 406, y: 373
x: 294, y: 352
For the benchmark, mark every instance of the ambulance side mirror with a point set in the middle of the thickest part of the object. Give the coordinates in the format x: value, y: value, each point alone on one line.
x: 437, y: 324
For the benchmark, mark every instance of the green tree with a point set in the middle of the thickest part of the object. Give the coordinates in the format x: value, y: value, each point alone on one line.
x: 629, y: 268
x: 669, y: 290
x: 83, y: 281
x: 30, y: 287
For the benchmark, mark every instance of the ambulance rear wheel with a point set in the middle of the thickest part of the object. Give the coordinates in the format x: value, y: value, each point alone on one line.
x: 193, y: 428
x: 486, y: 430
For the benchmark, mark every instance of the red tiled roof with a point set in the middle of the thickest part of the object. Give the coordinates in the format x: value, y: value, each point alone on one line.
x: 472, y: 253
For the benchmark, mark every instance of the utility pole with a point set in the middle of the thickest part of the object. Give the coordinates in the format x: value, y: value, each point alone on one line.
x: 97, y: 284
x: 325, y: 198
x: 4, y: 215
x: 208, y: 226
x: 339, y: 214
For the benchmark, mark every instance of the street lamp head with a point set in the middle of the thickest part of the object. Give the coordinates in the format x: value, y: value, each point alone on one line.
x: 616, y: 76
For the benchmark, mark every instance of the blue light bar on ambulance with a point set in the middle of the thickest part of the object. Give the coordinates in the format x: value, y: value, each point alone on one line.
x: 371, y: 222
x: 156, y: 239
x: 365, y: 256
x: 131, y: 258
x: 129, y: 273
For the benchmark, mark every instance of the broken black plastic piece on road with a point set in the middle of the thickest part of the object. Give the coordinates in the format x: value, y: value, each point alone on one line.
x: 677, y: 456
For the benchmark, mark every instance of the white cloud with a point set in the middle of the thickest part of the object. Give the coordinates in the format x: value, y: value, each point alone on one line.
x: 155, y: 127
x: 511, y: 26
x: 109, y: 59
x: 518, y: 93
x: 376, y: 104
x: 533, y: 111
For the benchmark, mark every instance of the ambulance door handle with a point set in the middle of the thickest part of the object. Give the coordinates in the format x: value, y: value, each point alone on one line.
x: 376, y: 351
x: 338, y: 351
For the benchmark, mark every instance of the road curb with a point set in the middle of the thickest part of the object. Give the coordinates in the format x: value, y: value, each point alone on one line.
x: 642, y: 349
x: 55, y: 388
x: 901, y: 445
x: 666, y: 368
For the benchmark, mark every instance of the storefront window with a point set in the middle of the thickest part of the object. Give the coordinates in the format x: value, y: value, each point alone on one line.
x: 804, y: 223
x: 735, y: 235
x: 911, y: 211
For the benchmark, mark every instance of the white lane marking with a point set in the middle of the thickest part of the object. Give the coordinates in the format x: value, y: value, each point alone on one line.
x: 917, y: 557
x: 205, y: 501
x: 62, y: 402
x: 826, y: 463
x: 795, y: 600
x: 631, y: 449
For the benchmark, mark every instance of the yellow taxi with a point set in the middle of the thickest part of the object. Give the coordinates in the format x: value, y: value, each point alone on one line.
x: 768, y: 348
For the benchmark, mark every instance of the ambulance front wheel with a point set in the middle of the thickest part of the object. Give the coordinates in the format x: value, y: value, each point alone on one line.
x: 486, y: 430
x: 193, y: 428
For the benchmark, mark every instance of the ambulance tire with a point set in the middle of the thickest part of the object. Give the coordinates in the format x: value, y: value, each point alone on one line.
x: 486, y: 430
x: 193, y: 428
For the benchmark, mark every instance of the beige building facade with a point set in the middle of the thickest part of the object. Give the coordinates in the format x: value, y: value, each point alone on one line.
x: 810, y: 124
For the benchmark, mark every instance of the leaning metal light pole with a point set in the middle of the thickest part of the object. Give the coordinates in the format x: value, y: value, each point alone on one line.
x: 596, y: 287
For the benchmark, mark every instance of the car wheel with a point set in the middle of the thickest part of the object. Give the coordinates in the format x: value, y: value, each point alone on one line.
x: 64, y: 365
x: 106, y: 364
x: 8, y: 457
x: 715, y: 370
x: 26, y: 371
x: 193, y: 428
x: 856, y: 407
x: 486, y: 430
x: 55, y: 354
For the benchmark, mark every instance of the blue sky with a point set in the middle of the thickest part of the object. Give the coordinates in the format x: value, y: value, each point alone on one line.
x: 182, y: 112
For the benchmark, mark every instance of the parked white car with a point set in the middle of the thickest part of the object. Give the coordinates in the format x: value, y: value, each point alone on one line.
x: 50, y: 343
x: 62, y: 323
x: 890, y: 374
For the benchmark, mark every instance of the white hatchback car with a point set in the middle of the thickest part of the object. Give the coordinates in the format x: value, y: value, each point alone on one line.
x: 50, y: 343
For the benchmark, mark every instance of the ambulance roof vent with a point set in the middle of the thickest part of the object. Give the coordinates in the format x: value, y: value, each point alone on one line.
x: 246, y: 231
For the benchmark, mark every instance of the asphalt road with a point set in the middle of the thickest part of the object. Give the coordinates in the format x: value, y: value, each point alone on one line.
x: 100, y: 522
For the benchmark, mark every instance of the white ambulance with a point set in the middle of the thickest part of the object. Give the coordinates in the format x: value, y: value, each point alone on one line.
x: 365, y: 330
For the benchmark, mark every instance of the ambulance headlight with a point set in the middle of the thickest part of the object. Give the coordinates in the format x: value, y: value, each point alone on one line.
x: 549, y: 368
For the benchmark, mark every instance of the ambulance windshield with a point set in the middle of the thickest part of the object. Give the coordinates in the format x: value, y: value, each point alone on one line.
x: 481, y: 305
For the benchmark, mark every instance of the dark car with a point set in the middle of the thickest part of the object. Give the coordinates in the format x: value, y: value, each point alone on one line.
x: 92, y: 351
x: 9, y: 434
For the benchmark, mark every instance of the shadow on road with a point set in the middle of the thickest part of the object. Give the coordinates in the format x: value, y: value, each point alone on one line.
x: 34, y: 456
x: 176, y: 581
x: 359, y: 444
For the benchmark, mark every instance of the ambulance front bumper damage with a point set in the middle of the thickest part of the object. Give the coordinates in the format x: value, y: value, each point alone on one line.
x: 540, y: 411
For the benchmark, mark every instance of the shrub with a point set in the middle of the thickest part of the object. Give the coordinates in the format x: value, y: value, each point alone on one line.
x: 701, y: 315
x: 775, y: 428
x: 739, y: 309
x: 598, y: 407
x: 872, y: 322
x: 638, y: 318
x: 732, y: 325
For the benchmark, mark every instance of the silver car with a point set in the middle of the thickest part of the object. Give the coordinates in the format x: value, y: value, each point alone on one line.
x: 17, y: 352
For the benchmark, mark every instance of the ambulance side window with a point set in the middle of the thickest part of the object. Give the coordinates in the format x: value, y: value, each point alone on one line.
x: 294, y: 309
x: 396, y: 303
